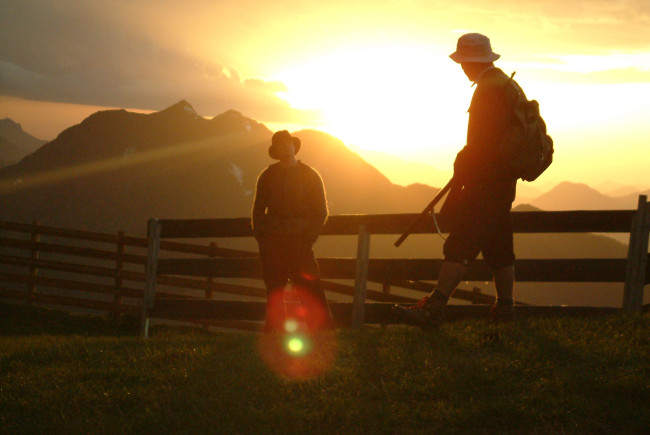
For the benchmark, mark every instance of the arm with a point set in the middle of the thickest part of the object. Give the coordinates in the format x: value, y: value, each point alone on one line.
x: 317, y: 205
x: 258, y: 219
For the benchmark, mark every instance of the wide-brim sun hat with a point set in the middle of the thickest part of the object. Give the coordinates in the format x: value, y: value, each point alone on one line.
x: 280, y: 137
x: 474, y: 47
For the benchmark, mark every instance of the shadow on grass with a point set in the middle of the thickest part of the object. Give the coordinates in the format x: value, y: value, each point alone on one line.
x: 23, y: 320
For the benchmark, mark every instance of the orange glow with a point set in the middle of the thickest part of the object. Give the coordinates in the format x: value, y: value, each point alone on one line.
x: 12, y: 185
x: 294, y: 350
x: 383, y: 98
x: 374, y: 74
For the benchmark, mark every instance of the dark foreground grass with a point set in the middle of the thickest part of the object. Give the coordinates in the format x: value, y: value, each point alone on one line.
x: 579, y: 375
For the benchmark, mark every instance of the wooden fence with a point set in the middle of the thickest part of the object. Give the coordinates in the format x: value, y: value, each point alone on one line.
x: 106, y: 272
x: 97, y: 271
x: 633, y: 271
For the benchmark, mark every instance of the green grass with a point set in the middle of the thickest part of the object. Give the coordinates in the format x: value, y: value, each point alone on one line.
x: 71, y: 374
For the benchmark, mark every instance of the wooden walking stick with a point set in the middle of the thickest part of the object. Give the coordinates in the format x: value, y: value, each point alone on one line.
x: 425, y: 212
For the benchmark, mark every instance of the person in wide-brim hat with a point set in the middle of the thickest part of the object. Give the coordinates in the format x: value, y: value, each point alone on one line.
x: 280, y: 139
x: 482, y: 190
x: 474, y: 48
x: 289, y: 212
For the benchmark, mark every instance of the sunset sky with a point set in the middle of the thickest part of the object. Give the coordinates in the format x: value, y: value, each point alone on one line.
x: 376, y: 74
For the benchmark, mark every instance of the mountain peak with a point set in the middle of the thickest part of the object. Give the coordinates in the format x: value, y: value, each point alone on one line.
x: 11, y: 130
x: 233, y: 121
x: 9, y: 127
x: 579, y: 196
x: 9, y: 123
x: 15, y: 143
x: 181, y: 108
x: 230, y: 116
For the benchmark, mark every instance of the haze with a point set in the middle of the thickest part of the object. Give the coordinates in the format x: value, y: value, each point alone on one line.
x: 375, y: 74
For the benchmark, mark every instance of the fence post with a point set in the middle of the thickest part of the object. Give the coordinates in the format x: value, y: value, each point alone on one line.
x: 212, y: 253
x: 119, y: 266
x: 476, y: 292
x: 153, y: 235
x: 637, y: 258
x: 361, y: 277
x: 33, y: 255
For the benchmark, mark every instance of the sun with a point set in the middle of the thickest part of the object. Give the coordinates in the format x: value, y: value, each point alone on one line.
x: 395, y: 98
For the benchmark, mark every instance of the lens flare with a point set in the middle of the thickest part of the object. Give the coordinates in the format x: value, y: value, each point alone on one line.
x: 295, y: 345
x: 301, y: 312
x: 291, y: 325
x: 300, y: 344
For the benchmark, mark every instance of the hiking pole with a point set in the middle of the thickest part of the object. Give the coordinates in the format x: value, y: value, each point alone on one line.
x: 424, y: 212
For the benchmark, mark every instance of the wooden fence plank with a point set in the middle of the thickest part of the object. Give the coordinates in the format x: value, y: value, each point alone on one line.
x: 203, y: 228
x: 342, y: 312
x: 52, y: 299
x: 374, y: 295
x: 68, y: 284
x: 382, y: 270
x: 601, y: 221
x: 58, y: 266
x: 59, y: 232
x: 71, y: 250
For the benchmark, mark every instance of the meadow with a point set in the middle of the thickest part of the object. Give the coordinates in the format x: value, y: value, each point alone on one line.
x: 63, y: 373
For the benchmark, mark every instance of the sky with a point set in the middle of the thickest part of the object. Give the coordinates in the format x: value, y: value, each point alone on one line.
x: 376, y: 74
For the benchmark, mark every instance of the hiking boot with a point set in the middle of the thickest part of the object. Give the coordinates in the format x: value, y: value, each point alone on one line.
x: 428, y: 313
x: 502, y: 313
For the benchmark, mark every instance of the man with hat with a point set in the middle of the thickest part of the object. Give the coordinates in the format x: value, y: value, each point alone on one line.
x: 478, y: 205
x: 289, y: 212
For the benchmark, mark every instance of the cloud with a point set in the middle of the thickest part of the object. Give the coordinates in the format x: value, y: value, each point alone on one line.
x: 66, y: 52
x: 149, y: 54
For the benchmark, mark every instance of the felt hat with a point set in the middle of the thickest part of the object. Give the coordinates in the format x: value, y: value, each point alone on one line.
x: 280, y: 137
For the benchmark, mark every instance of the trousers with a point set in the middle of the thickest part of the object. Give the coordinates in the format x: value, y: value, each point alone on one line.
x: 285, y: 259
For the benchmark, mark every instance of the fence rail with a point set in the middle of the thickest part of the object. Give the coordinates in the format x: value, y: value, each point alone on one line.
x: 600, y: 221
x: 391, y: 270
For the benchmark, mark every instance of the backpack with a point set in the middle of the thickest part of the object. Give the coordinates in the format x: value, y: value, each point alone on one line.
x: 526, y: 147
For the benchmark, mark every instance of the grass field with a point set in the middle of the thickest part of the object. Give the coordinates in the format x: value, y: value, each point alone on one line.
x: 70, y: 374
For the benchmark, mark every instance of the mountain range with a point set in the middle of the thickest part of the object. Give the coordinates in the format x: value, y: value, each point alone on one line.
x: 578, y: 196
x: 15, y: 143
x: 116, y: 169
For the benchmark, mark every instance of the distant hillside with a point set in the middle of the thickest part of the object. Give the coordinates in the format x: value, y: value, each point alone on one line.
x: 15, y: 143
x: 576, y: 196
x: 117, y: 169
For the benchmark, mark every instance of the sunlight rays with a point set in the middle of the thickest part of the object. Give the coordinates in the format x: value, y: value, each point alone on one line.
x: 128, y: 160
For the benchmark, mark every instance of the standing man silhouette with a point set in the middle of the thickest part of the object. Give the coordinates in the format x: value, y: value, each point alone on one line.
x: 479, y: 203
x: 289, y: 212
